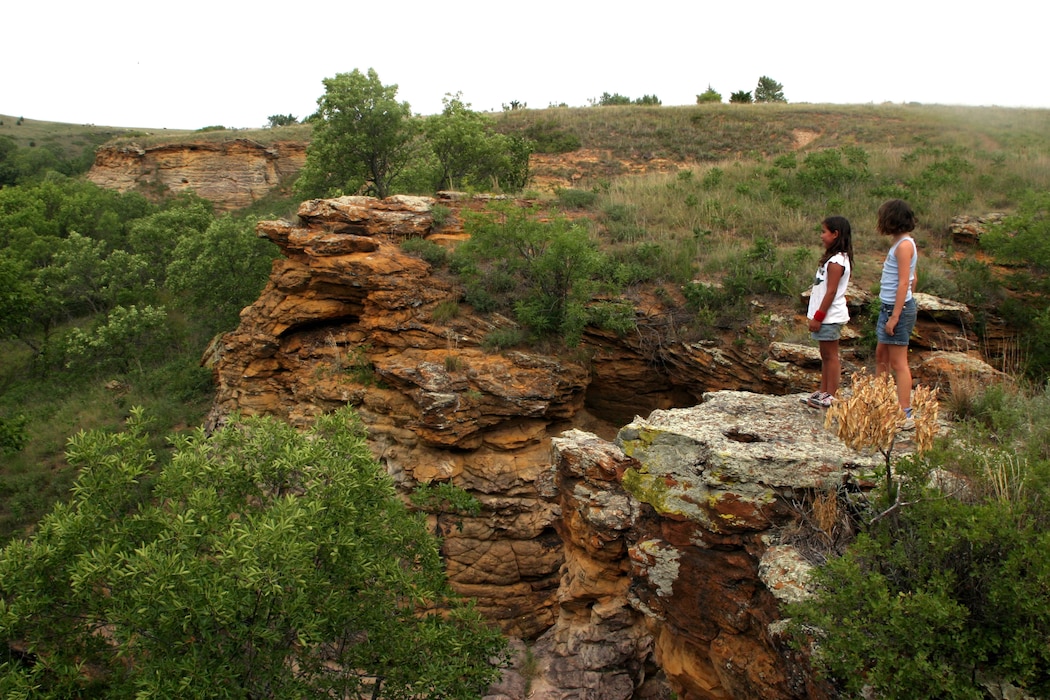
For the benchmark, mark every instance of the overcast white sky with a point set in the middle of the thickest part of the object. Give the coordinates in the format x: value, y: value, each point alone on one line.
x: 196, y: 63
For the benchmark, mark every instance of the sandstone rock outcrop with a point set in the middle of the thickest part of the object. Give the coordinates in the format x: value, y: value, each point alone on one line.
x: 673, y: 552
x: 651, y: 549
x: 231, y: 174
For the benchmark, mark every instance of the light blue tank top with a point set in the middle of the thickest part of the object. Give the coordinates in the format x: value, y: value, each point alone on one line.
x: 891, y: 273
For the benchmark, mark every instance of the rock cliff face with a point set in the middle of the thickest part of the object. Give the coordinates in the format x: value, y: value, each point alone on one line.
x: 672, y: 540
x: 657, y: 547
x: 231, y: 174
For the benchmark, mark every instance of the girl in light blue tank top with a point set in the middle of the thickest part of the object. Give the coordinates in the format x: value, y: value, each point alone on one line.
x: 897, y: 316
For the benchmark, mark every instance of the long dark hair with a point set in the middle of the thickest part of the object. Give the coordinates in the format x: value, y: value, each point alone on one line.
x: 842, y: 244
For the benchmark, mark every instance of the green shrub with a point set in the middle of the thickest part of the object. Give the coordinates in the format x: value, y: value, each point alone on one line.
x: 261, y: 561
x: 575, y: 199
x: 966, y: 568
x: 712, y: 178
x: 550, y: 137
x: 13, y: 434
x: 439, y: 214
x: 543, y: 269
x: 612, y: 316
x: 503, y: 338
x: 445, y: 311
x: 433, y: 253
x: 710, y: 95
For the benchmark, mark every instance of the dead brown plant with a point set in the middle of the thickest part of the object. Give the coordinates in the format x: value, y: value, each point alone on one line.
x: 871, y: 418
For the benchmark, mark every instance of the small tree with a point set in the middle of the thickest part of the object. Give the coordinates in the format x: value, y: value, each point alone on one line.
x: 217, y: 273
x: 742, y: 97
x: 542, y: 269
x: 281, y: 120
x: 362, y: 137
x: 607, y: 100
x: 769, y: 90
x: 708, y: 95
x: 262, y: 563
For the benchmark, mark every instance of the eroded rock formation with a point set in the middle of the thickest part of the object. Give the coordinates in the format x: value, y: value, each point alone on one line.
x: 231, y: 174
x: 672, y: 539
x: 660, y: 547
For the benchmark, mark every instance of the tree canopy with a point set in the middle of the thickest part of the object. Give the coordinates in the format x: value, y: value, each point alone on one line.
x: 363, y: 138
x: 769, y: 90
x: 261, y: 562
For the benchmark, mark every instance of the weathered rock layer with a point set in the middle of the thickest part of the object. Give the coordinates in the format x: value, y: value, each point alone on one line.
x: 231, y: 174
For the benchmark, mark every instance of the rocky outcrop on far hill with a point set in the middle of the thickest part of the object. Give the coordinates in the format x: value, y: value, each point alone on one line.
x: 231, y: 174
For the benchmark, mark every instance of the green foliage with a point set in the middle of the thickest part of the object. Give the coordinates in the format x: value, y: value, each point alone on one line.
x: 440, y: 214
x: 436, y: 255
x: 550, y: 137
x: 155, y: 236
x: 261, y: 562
x: 763, y: 269
x: 613, y: 316
x: 1023, y: 240
x: 607, y: 100
x: 740, y: 97
x: 544, y: 266
x: 710, y: 95
x: 964, y: 567
x: 218, y: 273
x: 769, y: 90
x: 830, y: 171
x: 445, y: 311
x: 445, y: 497
x: 462, y: 141
x: 124, y: 339
x: 503, y: 338
x: 570, y: 198
x: 13, y: 435
x: 276, y: 120
x: 1024, y: 237
x: 362, y: 137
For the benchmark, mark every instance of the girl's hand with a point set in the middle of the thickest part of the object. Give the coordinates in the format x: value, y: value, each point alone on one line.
x: 814, y: 325
x: 891, y: 324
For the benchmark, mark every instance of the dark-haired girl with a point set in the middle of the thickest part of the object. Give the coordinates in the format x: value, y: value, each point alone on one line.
x: 827, y: 305
x: 897, y: 316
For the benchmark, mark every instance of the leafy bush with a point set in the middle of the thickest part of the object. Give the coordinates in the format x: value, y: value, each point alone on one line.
x: 13, y: 435
x: 575, y: 199
x: 710, y: 95
x: 607, y: 100
x: 503, y: 338
x: 543, y: 269
x: 261, y: 563
x: 550, y: 137
x: 830, y: 171
x: 122, y: 340
x: 965, y: 567
x: 763, y: 269
x: 435, y: 254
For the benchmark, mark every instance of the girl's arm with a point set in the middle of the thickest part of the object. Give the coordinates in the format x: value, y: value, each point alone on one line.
x: 903, y: 254
x: 835, y: 272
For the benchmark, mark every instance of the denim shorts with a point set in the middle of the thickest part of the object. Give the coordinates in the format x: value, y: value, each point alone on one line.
x: 905, y: 324
x: 828, y: 331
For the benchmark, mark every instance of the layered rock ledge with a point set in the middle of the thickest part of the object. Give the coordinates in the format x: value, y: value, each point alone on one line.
x: 674, y: 552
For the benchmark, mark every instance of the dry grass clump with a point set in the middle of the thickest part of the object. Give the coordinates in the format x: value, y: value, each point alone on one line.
x: 871, y: 417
